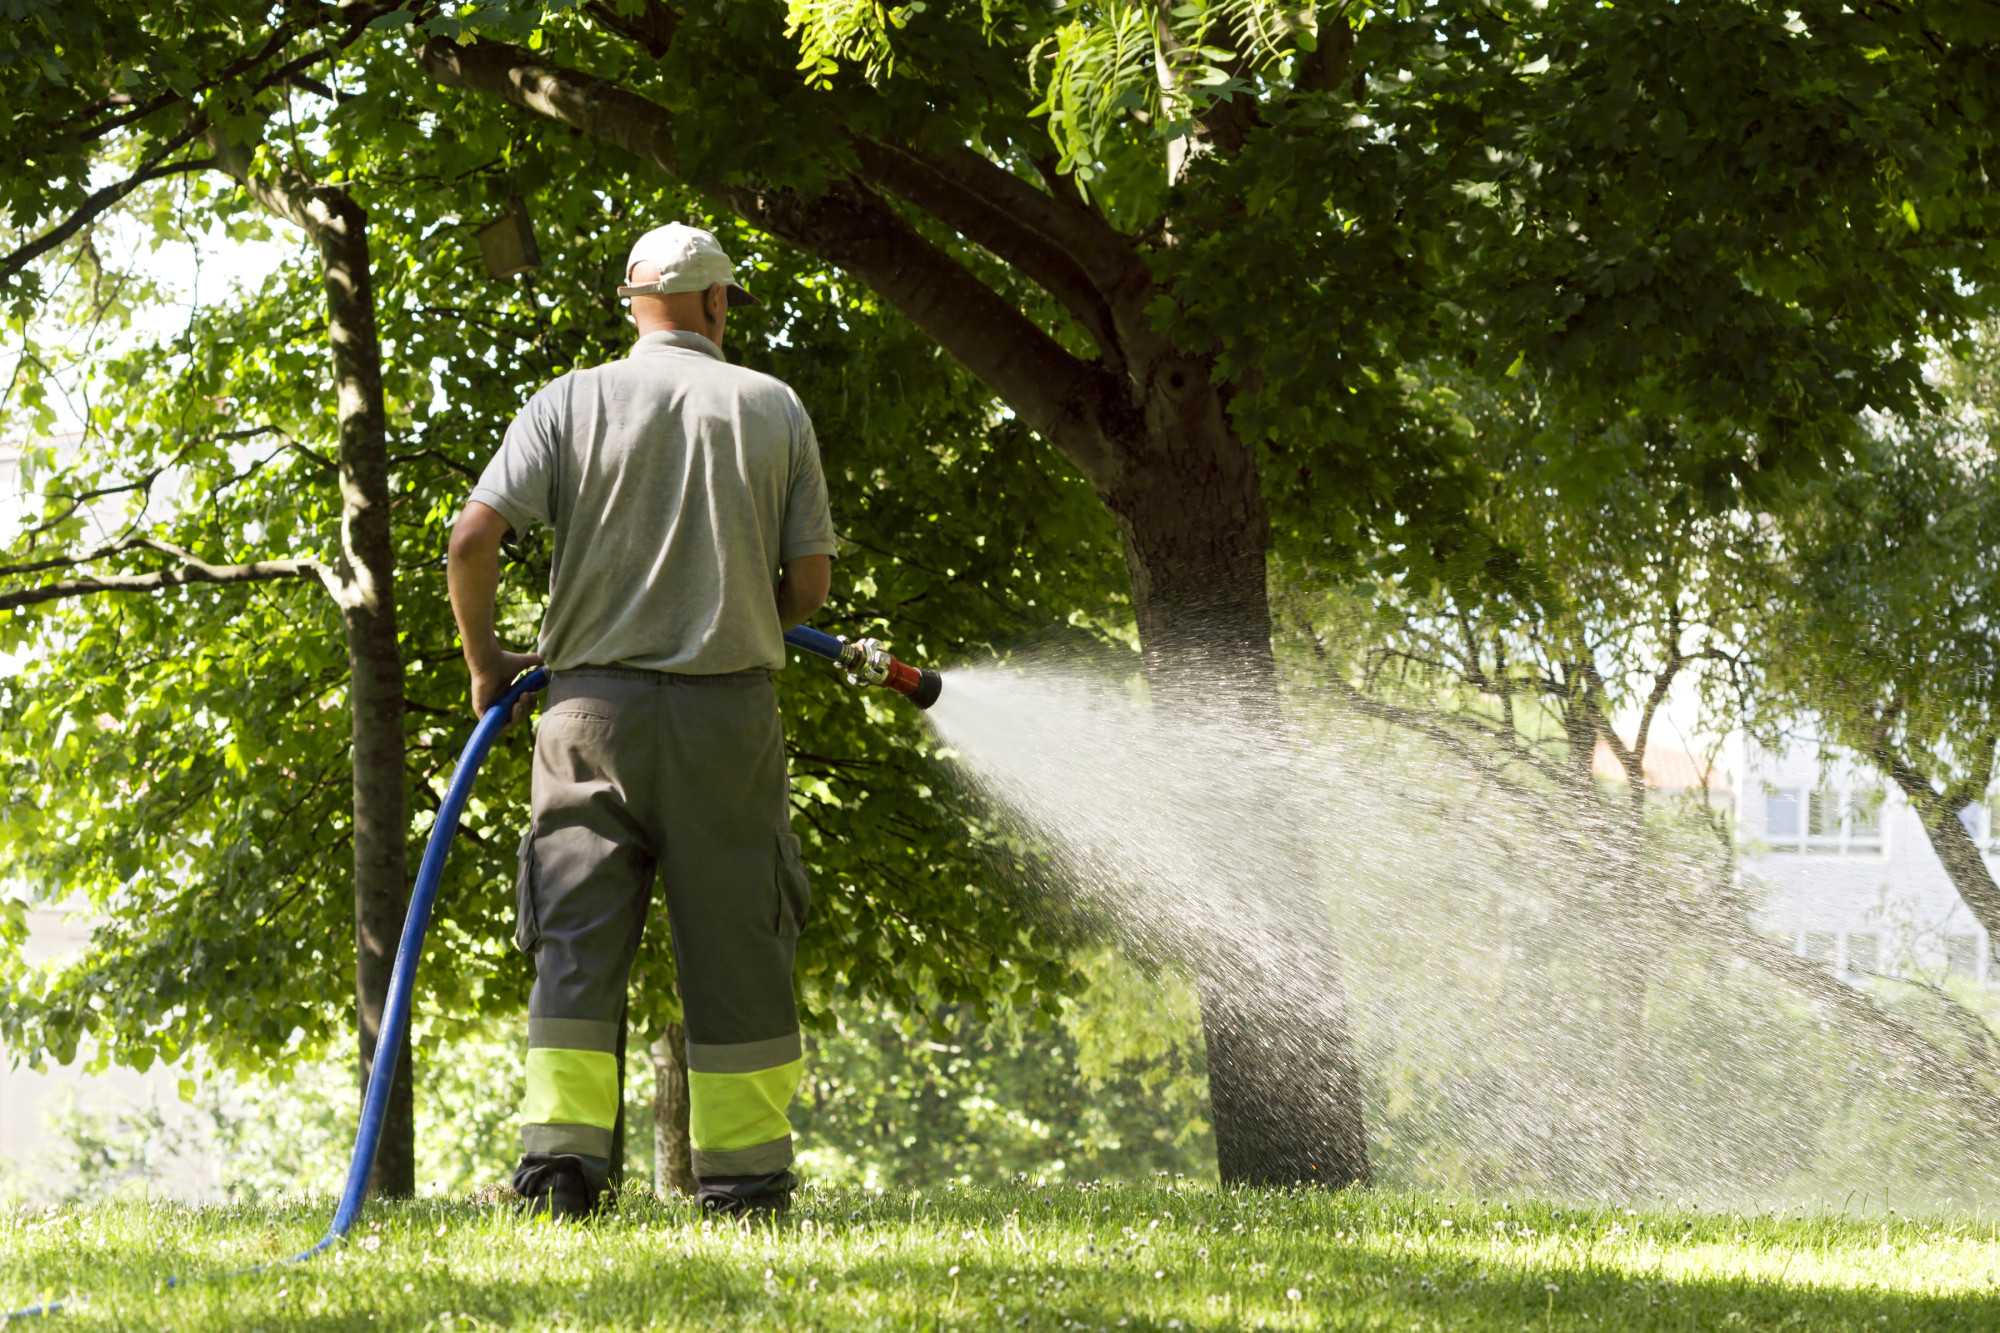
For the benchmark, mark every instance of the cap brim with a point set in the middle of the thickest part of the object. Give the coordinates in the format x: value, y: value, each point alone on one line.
x: 737, y: 296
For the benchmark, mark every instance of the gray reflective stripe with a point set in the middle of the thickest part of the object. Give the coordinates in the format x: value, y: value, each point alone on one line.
x: 572, y: 1034
x: 758, y: 1161
x: 584, y: 1140
x: 746, y: 1057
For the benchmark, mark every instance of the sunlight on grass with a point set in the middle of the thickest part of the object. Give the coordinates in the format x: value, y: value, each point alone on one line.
x: 1164, y: 1256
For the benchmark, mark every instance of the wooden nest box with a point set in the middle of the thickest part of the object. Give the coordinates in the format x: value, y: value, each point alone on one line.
x: 508, y: 244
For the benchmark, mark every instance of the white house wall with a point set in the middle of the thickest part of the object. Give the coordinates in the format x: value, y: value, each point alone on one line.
x: 1857, y: 887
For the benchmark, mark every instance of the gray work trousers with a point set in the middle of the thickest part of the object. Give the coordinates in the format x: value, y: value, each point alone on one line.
x: 638, y: 773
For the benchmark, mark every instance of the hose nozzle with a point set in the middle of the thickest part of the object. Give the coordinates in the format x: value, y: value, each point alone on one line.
x: 868, y: 662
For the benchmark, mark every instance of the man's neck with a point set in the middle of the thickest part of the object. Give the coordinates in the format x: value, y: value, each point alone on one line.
x: 647, y: 326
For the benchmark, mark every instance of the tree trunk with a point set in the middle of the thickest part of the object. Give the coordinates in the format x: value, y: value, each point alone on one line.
x: 1963, y: 861
x: 1284, y: 1087
x: 673, y: 1154
x: 1959, y: 854
x: 363, y: 584
x: 338, y: 227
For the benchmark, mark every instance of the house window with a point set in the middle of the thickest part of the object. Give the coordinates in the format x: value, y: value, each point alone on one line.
x: 1781, y: 820
x: 1864, y: 953
x: 1825, y: 821
x: 1822, y: 947
x: 1961, y: 955
x: 1864, y: 821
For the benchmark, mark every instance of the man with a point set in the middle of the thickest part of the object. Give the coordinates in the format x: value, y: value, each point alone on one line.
x: 691, y: 530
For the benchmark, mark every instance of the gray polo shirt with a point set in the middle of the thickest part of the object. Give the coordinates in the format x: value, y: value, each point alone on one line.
x: 676, y: 484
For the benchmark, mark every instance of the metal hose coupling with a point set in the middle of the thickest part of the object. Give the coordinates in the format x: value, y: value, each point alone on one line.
x: 869, y: 662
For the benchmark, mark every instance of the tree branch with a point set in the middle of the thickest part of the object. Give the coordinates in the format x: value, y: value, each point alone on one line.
x: 101, y: 201
x: 652, y: 29
x: 102, y: 552
x: 194, y: 571
x: 1070, y: 402
x: 909, y: 177
x: 356, y: 17
x: 1322, y: 69
x: 281, y: 36
x: 439, y: 455
x: 985, y: 194
x: 1963, y: 862
x: 1663, y: 682
x: 1224, y: 123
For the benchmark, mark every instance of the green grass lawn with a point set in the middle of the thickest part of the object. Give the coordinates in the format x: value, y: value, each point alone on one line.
x: 1169, y: 1256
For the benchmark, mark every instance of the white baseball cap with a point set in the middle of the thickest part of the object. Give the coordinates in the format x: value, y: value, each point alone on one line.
x: 689, y: 260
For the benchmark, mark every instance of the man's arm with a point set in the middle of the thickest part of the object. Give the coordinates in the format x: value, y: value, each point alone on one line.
x: 472, y: 573
x: 802, y: 588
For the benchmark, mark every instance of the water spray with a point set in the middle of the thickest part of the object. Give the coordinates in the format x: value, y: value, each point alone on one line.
x: 867, y: 662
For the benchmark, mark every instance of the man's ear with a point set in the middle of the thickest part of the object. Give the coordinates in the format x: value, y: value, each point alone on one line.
x: 718, y: 302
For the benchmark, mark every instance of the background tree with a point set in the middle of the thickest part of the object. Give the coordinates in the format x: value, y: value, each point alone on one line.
x: 213, y: 89
x: 1516, y: 716
x: 1876, y: 593
x: 360, y: 577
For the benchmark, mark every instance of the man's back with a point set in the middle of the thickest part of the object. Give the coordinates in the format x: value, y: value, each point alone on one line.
x: 677, y: 484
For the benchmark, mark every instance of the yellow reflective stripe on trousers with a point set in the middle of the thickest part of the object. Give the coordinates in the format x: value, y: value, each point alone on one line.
x: 731, y: 1111
x: 571, y: 1088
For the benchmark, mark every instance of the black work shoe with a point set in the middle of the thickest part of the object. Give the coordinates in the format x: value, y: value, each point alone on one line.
x: 747, y: 1196
x: 554, y: 1187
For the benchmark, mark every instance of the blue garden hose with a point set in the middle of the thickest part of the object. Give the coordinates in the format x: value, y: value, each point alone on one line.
x: 813, y: 641
x: 403, y: 981
x: 402, y: 988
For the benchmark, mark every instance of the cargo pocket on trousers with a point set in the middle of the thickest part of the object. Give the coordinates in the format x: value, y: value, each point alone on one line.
x: 527, y: 931
x: 794, y: 889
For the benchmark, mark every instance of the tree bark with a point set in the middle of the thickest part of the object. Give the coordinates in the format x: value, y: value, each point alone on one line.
x: 367, y: 595
x: 673, y: 1151
x: 1970, y: 874
x: 1939, y: 813
x: 261, y: 571
x: 1960, y: 855
x: 1284, y: 1086
x: 363, y: 584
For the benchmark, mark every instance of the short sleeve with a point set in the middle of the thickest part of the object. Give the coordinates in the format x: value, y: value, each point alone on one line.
x: 808, y: 522
x: 519, y: 483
